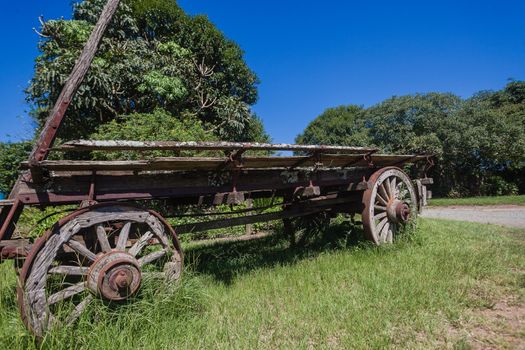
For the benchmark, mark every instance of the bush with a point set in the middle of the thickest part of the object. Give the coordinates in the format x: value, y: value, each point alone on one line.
x: 498, y: 186
x: 11, y: 154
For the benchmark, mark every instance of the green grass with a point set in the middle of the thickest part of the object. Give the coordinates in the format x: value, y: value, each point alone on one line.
x: 499, y: 200
x: 334, y: 293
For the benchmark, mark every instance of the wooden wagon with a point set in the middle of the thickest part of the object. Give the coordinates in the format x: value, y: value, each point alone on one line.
x: 106, y: 247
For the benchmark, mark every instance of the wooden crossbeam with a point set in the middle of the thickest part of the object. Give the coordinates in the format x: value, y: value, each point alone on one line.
x: 213, y: 163
x: 124, y: 145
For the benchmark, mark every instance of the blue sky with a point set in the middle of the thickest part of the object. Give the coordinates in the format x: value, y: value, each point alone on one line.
x: 311, y: 55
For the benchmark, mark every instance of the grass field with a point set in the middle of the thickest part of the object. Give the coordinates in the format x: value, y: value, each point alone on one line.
x: 499, y: 200
x: 426, y: 291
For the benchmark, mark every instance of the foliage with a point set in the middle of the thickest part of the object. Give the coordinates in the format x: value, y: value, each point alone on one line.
x: 343, y: 125
x: 11, y: 154
x: 152, y: 56
x: 156, y: 126
x: 478, y: 143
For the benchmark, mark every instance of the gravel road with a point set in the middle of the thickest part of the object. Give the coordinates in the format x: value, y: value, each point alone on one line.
x: 507, y: 215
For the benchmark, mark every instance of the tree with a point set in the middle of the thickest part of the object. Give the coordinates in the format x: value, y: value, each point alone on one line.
x: 144, y: 127
x: 11, y: 154
x: 152, y: 56
x: 478, y: 143
x: 423, y: 124
x: 343, y: 125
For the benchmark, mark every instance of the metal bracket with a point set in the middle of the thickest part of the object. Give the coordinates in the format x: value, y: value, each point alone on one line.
x: 314, y: 154
x: 367, y: 157
x: 91, y: 194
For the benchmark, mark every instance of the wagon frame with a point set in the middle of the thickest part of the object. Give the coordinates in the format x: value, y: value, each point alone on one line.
x: 111, y: 243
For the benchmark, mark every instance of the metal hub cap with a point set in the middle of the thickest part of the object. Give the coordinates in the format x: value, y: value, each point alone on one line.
x: 114, y: 276
x: 398, y: 212
x: 403, y: 212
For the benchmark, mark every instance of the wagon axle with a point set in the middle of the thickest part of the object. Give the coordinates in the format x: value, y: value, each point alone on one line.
x: 114, y: 276
x: 398, y: 211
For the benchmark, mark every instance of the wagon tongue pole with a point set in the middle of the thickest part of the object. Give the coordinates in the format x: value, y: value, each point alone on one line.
x: 49, y: 131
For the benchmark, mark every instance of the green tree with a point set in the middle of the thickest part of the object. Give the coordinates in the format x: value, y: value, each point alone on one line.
x: 343, y: 125
x: 478, y: 143
x: 11, y: 154
x: 152, y: 56
x: 426, y: 124
x: 496, y: 130
x: 144, y: 127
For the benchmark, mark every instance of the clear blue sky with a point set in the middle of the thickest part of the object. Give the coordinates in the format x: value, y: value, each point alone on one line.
x: 313, y: 55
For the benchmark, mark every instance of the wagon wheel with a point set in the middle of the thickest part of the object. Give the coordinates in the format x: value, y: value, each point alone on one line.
x: 388, y: 205
x: 104, y: 251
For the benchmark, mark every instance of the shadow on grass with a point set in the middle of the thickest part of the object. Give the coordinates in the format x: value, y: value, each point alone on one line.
x: 225, y: 260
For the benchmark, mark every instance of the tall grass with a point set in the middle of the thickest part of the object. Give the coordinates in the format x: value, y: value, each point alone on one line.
x: 336, y: 292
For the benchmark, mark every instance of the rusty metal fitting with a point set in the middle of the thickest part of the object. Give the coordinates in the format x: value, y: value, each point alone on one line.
x: 114, y: 276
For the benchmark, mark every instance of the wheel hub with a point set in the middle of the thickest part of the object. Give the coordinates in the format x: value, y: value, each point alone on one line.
x: 398, y: 212
x: 114, y: 276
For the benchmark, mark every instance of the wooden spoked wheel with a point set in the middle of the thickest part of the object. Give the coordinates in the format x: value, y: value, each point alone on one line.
x: 388, y: 204
x: 101, y: 252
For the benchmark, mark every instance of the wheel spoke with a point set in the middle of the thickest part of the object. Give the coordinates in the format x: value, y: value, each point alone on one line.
x: 381, y: 199
x: 123, y: 237
x: 383, y: 192
x: 69, y: 270
x: 380, y: 216
x: 79, y: 309
x: 388, y: 189
x: 66, y: 293
x: 152, y: 257
x: 103, y: 239
x: 393, y: 187
x: 81, y: 249
x: 379, y: 208
x: 381, y: 224
x: 390, y: 234
x: 383, y: 232
x: 140, y: 244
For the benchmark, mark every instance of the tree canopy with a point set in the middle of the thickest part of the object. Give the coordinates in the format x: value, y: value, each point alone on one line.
x: 153, y: 56
x: 478, y: 143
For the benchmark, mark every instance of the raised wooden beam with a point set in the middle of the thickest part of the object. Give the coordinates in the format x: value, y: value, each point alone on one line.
x: 6, y: 202
x: 124, y: 145
x: 49, y: 131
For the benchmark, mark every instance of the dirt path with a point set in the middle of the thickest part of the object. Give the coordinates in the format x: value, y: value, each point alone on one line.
x: 507, y: 215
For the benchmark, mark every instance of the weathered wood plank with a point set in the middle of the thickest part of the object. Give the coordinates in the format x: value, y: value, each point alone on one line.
x: 68, y: 188
x: 212, y: 163
x: 6, y: 202
x: 69, y: 270
x: 82, y: 249
x: 140, y: 244
x: 103, y: 238
x: 66, y: 293
x: 121, y: 145
x: 123, y: 236
x: 151, y: 257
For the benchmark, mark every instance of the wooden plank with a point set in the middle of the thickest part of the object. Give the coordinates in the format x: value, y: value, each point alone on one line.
x: 212, y: 163
x: 122, y: 145
x: 6, y: 202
